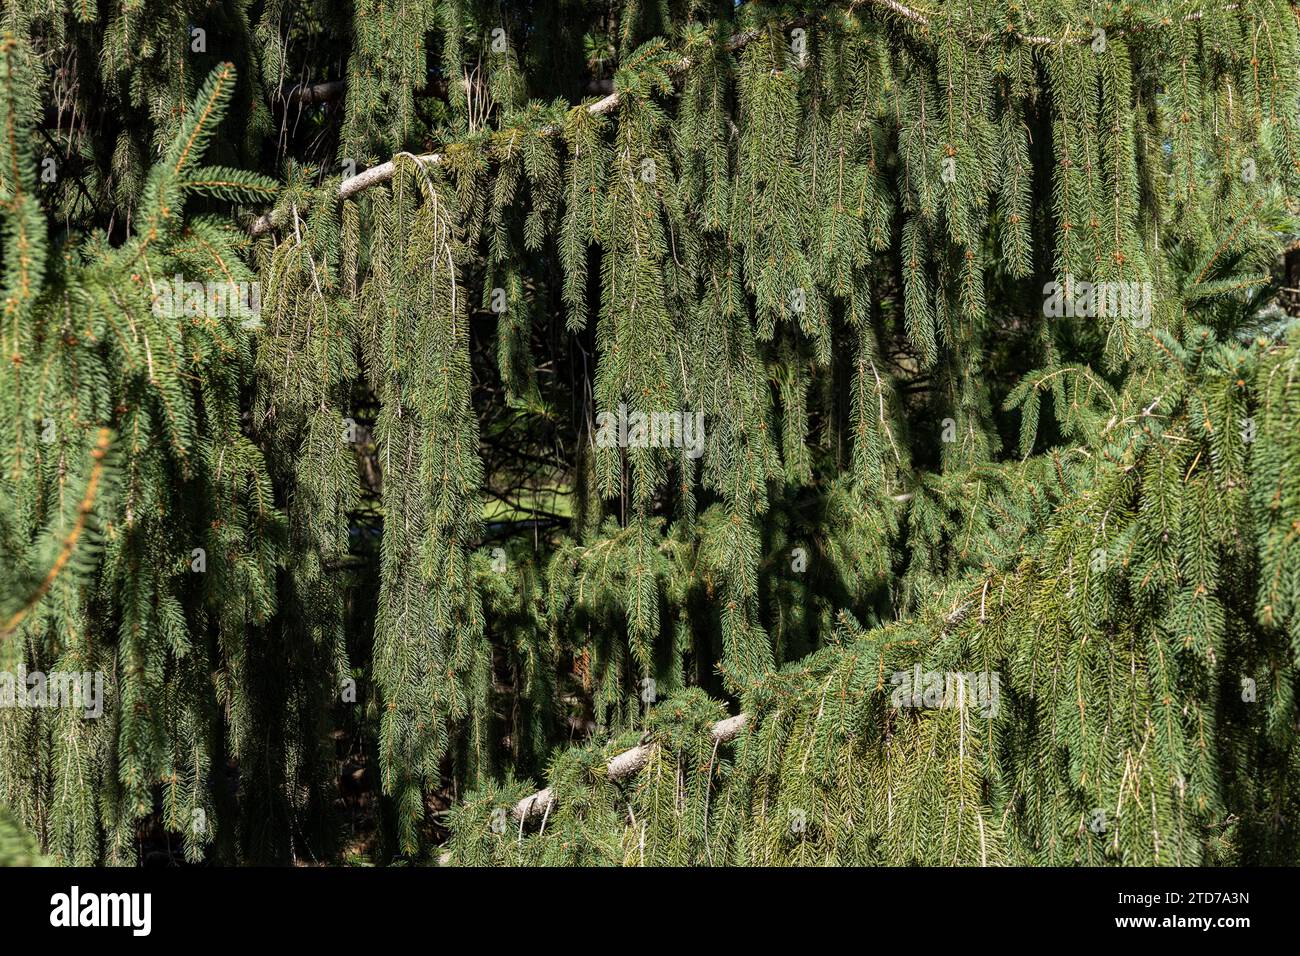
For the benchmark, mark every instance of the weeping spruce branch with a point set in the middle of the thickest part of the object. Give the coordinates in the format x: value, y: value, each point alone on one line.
x: 307, y: 94
x: 71, y: 537
x: 539, y: 804
x: 828, y: 235
x: 383, y: 172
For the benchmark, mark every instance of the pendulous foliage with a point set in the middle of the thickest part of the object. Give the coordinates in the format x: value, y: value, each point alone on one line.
x: 619, y: 367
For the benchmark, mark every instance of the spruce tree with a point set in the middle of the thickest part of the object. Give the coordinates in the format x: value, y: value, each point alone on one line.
x: 859, y: 433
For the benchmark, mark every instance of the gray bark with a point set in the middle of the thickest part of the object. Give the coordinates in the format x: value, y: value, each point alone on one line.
x: 619, y: 768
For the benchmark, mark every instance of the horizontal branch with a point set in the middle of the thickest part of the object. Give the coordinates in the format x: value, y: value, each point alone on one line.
x: 349, y: 187
x: 310, y: 94
x: 384, y: 171
x: 620, y: 768
x: 923, y: 20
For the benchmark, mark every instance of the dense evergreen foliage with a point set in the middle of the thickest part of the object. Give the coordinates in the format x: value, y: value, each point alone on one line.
x: 436, y: 399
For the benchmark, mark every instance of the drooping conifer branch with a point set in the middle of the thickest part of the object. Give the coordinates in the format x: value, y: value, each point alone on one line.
x: 384, y: 171
x: 74, y: 534
x: 624, y: 765
x: 767, y: 336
